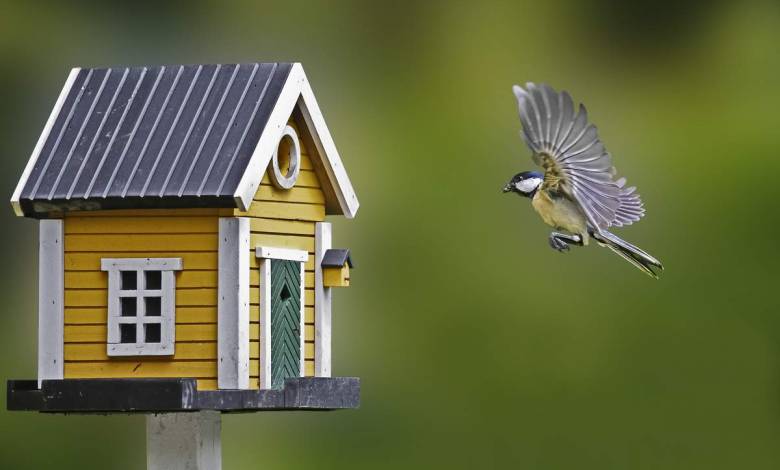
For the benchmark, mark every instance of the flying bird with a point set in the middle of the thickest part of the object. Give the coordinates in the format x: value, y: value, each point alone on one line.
x: 578, y: 193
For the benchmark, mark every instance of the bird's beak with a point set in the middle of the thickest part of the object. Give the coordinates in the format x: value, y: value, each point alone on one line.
x: 507, y: 188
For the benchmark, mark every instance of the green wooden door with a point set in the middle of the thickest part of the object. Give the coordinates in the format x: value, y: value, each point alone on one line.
x: 285, y: 321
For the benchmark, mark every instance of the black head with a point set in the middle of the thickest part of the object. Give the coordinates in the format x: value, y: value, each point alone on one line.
x: 525, y: 183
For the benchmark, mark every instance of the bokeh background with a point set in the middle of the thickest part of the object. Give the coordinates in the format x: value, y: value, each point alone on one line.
x: 478, y: 346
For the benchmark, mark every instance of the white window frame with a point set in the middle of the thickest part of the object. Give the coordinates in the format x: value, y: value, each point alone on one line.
x: 265, y: 254
x: 167, y: 294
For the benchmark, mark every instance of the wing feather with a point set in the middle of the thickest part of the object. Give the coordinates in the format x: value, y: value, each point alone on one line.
x: 559, y: 110
x: 539, y: 131
x: 537, y: 99
x: 567, y: 119
x: 574, y: 158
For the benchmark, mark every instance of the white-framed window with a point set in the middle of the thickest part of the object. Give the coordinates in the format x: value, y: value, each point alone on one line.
x: 141, y: 305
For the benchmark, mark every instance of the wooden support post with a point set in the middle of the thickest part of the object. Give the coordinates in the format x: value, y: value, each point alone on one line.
x: 184, y: 441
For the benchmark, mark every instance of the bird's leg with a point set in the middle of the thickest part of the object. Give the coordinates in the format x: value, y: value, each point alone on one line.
x: 561, y: 241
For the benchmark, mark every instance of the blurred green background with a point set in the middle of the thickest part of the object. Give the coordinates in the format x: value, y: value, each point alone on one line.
x: 478, y: 346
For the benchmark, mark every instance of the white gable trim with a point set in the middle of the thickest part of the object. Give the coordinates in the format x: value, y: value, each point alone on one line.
x: 327, y: 149
x: 297, y: 91
x: 41, y: 141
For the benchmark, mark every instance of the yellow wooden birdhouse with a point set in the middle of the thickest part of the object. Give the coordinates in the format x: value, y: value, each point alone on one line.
x: 185, y: 260
x: 335, y: 268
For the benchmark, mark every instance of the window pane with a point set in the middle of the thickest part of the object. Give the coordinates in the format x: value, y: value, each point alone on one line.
x: 128, y: 306
x: 152, y: 332
x: 153, y: 280
x: 129, y: 280
x: 127, y: 332
x: 153, y: 306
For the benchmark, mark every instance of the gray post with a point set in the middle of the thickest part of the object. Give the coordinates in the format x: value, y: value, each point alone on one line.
x: 184, y: 441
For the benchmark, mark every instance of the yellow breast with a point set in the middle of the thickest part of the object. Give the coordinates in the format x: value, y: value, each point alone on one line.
x: 560, y: 213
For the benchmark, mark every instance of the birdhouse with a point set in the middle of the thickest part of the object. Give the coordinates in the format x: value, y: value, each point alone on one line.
x: 335, y: 268
x: 185, y: 263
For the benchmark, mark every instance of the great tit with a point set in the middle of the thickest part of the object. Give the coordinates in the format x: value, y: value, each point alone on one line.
x: 578, y: 192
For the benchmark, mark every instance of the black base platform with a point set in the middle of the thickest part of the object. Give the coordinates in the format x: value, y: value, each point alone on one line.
x: 171, y: 395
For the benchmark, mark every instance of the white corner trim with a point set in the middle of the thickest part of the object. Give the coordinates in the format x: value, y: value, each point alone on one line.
x: 297, y: 91
x: 265, y: 324
x: 322, y: 296
x: 51, y: 310
x: 190, y: 441
x: 281, y: 253
x: 41, y: 141
x: 233, y: 304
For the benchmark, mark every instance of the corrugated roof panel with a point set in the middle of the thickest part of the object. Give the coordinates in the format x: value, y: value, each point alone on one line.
x: 237, y: 117
x: 198, y: 134
x: 244, y: 116
x: 216, y: 128
x: 55, y: 136
x: 104, y: 179
x: 172, y: 95
x: 172, y: 133
x: 186, y: 118
x: 111, y: 135
x: 136, y: 147
x: 232, y: 174
x: 68, y: 136
x: 87, y: 134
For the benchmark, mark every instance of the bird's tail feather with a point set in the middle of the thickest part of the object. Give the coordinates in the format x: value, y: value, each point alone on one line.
x: 629, y: 252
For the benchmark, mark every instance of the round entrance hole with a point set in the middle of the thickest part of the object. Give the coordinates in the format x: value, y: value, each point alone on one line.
x: 286, y: 161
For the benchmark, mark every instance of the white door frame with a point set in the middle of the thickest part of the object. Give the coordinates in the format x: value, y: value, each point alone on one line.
x: 265, y: 254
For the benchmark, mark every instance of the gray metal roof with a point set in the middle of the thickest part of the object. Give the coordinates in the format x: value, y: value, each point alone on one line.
x: 166, y: 136
x: 336, y: 258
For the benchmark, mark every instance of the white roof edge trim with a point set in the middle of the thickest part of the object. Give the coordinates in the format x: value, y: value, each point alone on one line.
x: 297, y: 89
x: 331, y: 160
x: 42, y: 140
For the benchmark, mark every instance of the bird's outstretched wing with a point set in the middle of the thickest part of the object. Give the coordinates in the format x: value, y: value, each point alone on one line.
x: 574, y: 159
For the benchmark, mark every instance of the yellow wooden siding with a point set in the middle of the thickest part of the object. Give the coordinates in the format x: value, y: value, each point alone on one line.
x: 204, y: 350
x: 184, y: 315
x: 187, y: 234
x: 144, y: 242
x: 283, y: 210
x: 286, y: 219
x: 166, y: 213
x: 278, y: 218
x: 137, y: 224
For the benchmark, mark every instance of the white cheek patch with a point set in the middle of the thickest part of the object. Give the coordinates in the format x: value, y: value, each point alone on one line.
x: 528, y: 185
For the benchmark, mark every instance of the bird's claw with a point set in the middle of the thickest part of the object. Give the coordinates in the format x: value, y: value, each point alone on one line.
x: 559, y: 245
